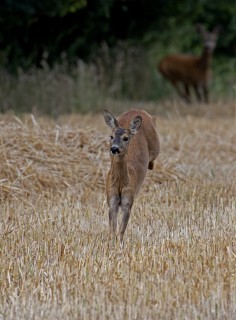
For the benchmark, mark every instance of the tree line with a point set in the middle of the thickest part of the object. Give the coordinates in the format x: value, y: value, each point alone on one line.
x: 52, y: 30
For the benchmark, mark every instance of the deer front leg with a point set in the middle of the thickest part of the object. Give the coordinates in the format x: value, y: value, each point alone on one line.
x: 126, y: 205
x: 113, y: 204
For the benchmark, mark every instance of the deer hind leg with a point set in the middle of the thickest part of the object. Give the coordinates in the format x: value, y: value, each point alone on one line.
x: 126, y: 205
x: 198, y: 93
x: 113, y: 211
x: 186, y: 94
x: 151, y: 165
x: 172, y: 80
x: 205, y: 94
x: 180, y: 92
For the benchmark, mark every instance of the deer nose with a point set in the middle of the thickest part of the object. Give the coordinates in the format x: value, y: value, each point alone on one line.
x: 115, y: 150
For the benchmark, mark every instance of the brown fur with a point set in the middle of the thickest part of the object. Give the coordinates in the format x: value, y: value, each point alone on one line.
x: 191, y: 71
x: 129, y: 168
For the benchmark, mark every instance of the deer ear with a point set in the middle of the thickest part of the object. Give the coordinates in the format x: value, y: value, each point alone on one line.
x: 110, y: 120
x: 135, y: 124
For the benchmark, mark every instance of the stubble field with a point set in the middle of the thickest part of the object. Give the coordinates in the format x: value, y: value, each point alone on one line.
x: 179, y: 258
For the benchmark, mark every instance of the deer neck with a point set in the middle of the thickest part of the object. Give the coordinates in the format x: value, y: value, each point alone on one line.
x: 119, y: 171
x: 205, y: 59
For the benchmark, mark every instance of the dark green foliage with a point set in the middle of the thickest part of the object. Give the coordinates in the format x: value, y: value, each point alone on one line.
x: 36, y: 30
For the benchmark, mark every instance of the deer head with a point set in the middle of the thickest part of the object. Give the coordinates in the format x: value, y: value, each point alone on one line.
x: 121, y: 137
x: 209, y: 38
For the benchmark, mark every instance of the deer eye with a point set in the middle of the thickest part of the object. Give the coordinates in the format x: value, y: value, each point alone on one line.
x: 125, y: 138
x: 111, y: 137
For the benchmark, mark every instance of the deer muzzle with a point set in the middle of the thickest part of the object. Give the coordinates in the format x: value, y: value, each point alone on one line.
x: 115, y: 150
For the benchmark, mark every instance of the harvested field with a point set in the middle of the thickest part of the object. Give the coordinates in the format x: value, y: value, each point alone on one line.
x: 179, y: 259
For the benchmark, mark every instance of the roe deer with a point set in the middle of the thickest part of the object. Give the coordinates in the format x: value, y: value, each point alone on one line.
x: 134, y: 146
x: 192, y: 71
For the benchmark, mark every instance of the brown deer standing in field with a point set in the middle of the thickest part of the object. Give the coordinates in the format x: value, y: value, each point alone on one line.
x: 134, y: 146
x: 192, y: 71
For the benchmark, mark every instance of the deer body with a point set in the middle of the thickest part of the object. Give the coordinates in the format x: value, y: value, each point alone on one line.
x: 191, y: 71
x: 134, y: 147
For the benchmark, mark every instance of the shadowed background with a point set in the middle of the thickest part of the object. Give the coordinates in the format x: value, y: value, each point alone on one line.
x: 63, y: 56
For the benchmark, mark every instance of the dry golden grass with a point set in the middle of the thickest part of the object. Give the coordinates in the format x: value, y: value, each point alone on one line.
x: 179, y: 259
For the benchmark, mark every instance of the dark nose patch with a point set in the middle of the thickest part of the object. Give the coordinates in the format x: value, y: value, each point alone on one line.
x: 115, y: 150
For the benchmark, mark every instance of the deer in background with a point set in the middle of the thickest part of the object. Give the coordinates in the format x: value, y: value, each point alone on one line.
x: 191, y: 71
x: 134, y: 146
